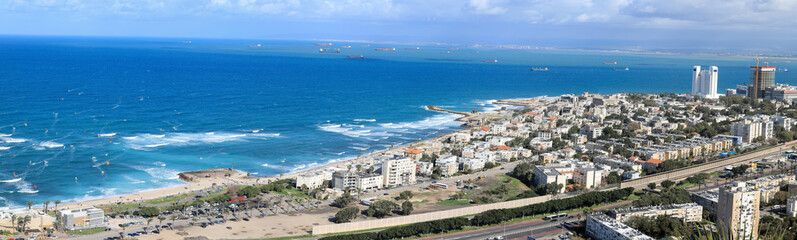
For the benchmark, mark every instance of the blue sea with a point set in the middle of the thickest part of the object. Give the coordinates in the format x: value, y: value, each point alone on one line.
x: 82, y: 118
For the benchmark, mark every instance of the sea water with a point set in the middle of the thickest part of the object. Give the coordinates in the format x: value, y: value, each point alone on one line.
x: 82, y: 118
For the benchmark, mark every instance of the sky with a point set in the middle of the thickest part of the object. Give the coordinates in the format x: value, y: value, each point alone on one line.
x: 710, y: 25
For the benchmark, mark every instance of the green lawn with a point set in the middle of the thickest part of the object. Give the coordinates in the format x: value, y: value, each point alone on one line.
x: 119, y: 208
x: 463, y: 202
x: 87, y: 231
x: 168, y: 199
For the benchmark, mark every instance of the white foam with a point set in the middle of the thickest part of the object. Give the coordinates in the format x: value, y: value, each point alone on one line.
x: 5, y: 148
x: 106, y: 135
x: 160, y: 173
x: 14, y: 140
x: 11, y: 180
x: 51, y: 144
x: 149, y: 141
x: 133, y: 180
x: 4, y: 135
x: 162, y: 164
x: 364, y: 120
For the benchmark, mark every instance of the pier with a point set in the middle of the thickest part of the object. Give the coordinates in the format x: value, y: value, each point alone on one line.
x: 462, y: 119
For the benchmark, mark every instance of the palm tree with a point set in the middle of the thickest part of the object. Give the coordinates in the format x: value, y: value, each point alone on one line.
x: 174, y: 218
x: 160, y: 220
x: 149, y: 220
x: 45, y: 205
x: 29, y: 203
x: 13, y: 221
x: 56, y: 204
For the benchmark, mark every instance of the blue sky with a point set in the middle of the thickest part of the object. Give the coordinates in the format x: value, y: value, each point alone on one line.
x: 744, y: 25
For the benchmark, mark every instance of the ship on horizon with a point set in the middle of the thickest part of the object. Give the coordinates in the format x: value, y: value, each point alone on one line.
x: 621, y: 69
x: 323, y: 44
x: 542, y: 69
x: 611, y: 63
x: 345, y: 46
x: 355, y: 57
x: 490, y: 61
x: 385, y: 49
x: 328, y: 50
x: 412, y: 48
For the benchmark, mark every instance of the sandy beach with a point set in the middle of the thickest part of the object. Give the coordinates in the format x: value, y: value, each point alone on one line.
x: 240, y: 178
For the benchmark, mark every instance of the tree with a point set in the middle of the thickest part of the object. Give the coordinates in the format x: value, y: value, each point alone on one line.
x: 249, y: 191
x: 738, y: 171
x: 651, y: 186
x: 160, y: 220
x: 147, y: 212
x: 780, y: 198
x: 346, y: 214
x: 406, y: 208
x: 613, y: 178
x: 149, y: 220
x: 56, y: 204
x: 45, y: 203
x: 405, y: 195
x: 658, y: 227
x: 29, y: 203
x: 343, y: 201
x: 381, y: 209
x: 525, y: 173
x: 667, y: 184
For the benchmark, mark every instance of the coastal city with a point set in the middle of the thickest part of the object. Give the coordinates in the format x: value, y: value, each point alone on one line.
x: 398, y: 119
x: 575, y: 166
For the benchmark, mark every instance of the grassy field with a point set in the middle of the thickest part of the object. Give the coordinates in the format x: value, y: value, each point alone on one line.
x: 168, y: 199
x: 463, y: 202
x: 87, y: 231
x: 119, y: 208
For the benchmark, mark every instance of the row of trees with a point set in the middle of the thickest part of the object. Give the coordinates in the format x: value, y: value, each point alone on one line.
x: 415, y: 229
x: 667, y: 197
x: 553, y: 206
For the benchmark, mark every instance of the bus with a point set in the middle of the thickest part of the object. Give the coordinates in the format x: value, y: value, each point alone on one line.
x: 555, y: 216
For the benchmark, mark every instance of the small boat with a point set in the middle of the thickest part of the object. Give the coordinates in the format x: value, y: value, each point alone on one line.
x: 385, y: 49
x: 355, y: 57
x: 611, y: 63
x: 323, y: 44
x: 446, y: 52
x: 412, y: 48
x: 539, y: 69
x: 345, y: 47
x: 328, y: 50
x: 621, y: 69
x: 490, y: 61
x: 453, y: 49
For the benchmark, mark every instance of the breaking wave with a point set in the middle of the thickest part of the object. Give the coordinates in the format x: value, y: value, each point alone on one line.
x: 149, y: 141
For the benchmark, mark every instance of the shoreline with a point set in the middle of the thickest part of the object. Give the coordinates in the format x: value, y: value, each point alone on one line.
x: 240, y: 178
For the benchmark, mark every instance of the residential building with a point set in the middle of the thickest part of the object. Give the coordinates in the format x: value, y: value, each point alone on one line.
x: 737, y: 211
x: 704, y: 83
x: 83, y: 218
x: 398, y: 172
x: 581, y: 173
x: 602, y: 227
x: 688, y: 212
x: 448, y: 165
x: 356, y: 181
x: 313, y: 179
x: 791, y: 206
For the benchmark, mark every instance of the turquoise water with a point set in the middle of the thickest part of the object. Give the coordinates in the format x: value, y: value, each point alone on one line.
x: 122, y: 115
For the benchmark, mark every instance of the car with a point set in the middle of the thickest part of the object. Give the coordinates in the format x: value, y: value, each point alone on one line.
x: 229, y: 228
x: 156, y: 232
x: 245, y: 219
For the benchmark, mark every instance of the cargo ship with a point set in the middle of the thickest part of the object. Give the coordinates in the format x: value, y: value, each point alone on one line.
x: 490, y: 61
x: 385, y: 49
x: 539, y: 69
x: 323, y: 44
x: 621, y: 69
x: 446, y: 52
x: 610, y: 63
x: 412, y: 48
x: 355, y: 57
x: 329, y: 50
x: 345, y: 47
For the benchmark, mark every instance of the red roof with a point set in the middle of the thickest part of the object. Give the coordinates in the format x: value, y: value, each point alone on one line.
x: 634, y: 158
x: 655, y: 161
x: 574, y: 172
x: 486, y: 129
x: 501, y: 148
x: 414, y: 151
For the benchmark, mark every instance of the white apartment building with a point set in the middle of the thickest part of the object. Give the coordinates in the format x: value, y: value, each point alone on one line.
x: 313, y: 179
x: 688, y: 212
x: 791, y: 206
x: 602, y: 227
x: 582, y: 173
x: 398, y: 172
x: 83, y: 218
x: 753, y: 127
x: 357, y: 181
x: 448, y: 165
x: 704, y: 83
x: 737, y: 210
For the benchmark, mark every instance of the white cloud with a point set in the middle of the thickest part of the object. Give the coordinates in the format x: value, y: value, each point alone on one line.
x: 486, y: 7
